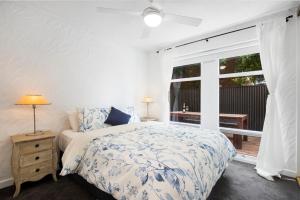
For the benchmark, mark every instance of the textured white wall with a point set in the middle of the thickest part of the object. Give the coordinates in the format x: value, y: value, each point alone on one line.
x: 40, y: 53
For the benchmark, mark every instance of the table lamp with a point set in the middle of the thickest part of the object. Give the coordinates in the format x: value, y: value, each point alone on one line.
x: 33, y: 100
x: 147, y: 100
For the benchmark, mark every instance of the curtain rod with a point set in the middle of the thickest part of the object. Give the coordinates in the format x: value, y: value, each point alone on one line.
x: 218, y: 35
x: 214, y: 36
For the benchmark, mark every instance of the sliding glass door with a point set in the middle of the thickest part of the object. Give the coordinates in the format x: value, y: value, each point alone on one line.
x: 240, y: 95
x: 242, y: 101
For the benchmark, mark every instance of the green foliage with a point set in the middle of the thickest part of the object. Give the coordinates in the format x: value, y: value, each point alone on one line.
x: 244, y: 64
x: 186, y: 71
x: 248, y: 63
x: 248, y: 80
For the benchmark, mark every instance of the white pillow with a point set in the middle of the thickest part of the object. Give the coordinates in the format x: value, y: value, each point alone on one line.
x: 132, y: 112
x: 74, y: 122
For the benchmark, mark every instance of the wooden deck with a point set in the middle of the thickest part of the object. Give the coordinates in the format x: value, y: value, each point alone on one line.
x: 249, y: 147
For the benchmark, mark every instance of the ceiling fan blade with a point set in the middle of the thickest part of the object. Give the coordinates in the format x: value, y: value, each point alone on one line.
x: 146, y: 33
x: 117, y: 11
x: 191, y: 21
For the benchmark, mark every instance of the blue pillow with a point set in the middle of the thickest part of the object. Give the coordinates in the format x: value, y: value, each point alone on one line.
x: 117, y: 117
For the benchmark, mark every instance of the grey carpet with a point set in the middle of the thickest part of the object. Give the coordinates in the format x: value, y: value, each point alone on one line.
x: 240, y: 182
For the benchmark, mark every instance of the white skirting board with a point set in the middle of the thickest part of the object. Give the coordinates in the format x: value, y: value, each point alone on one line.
x: 252, y: 160
x: 6, y: 182
x: 245, y: 159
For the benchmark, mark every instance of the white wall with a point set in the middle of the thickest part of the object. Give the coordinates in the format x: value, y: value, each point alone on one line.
x: 298, y: 95
x: 210, y: 94
x: 155, y: 80
x: 39, y: 53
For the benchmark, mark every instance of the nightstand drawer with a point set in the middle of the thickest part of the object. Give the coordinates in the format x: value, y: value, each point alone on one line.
x: 35, y: 146
x: 36, y: 170
x: 35, y: 158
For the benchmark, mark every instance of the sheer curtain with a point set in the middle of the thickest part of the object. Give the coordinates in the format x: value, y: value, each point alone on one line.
x: 166, y: 66
x: 176, y: 90
x: 278, y: 57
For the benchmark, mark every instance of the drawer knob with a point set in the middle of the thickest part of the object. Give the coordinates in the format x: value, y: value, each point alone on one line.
x: 36, y: 158
x: 37, y: 146
x: 37, y: 170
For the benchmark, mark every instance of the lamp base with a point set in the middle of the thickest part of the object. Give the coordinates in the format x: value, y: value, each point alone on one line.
x: 35, y: 134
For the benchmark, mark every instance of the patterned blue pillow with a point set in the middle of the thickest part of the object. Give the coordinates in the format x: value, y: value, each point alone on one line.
x: 117, y: 117
x: 92, y: 118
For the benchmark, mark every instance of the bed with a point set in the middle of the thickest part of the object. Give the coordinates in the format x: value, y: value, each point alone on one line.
x: 148, y: 160
x: 65, y: 137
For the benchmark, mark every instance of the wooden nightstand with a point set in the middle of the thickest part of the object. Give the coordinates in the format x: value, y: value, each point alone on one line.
x: 148, y: 119
x: 33, y: 157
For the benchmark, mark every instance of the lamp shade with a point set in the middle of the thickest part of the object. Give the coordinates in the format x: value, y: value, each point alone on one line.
x: 147, y: 100
x: 32, y: 100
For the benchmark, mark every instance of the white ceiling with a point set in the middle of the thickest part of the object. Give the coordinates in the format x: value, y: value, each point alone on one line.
x: 128, y: 29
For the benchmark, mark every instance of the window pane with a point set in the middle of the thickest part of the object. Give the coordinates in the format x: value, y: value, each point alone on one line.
x: 185, y: 101
x: 243, y: 102
x: 187, y: 71
x: 240, y: 64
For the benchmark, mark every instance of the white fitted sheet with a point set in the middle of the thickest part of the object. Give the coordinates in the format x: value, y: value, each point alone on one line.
x: 66, y: 137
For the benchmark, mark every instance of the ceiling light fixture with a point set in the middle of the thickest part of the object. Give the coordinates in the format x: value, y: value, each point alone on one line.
x: 152, y: 17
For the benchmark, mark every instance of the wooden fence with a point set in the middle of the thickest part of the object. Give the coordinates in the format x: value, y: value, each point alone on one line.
x: 250, y: 100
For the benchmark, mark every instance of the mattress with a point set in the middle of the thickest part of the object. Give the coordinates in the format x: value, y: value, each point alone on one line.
x: 66, y: 137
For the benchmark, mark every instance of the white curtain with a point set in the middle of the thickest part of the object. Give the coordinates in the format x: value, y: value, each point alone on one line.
x: 278, y: 56
x: 176, y: 90
x: 166, y: 66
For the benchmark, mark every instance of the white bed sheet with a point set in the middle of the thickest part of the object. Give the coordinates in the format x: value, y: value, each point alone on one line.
x: 66, y: 137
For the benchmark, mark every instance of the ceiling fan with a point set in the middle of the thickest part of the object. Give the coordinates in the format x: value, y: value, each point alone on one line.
x: 153, y: 15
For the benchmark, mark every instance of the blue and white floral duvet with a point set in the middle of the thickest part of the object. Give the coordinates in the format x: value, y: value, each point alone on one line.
x: 150, y: 160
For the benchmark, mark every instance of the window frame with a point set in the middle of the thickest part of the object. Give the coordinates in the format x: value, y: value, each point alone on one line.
x: 244, y: 132
x: 179, y: 80
x: 206, y: 55
x: 233, y: 50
